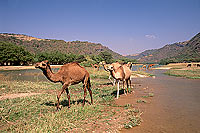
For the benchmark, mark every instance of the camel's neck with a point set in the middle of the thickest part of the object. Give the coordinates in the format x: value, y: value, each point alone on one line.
x: 113, y: 73
x: 105, y: 68
x: 50, y: 75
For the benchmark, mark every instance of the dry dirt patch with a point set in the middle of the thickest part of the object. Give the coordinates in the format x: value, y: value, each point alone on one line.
x: 11, y: 96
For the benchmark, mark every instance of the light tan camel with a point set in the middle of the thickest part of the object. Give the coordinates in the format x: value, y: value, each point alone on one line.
x: 127, y: 72
x: 118, y: 74
x: 105, y: 66
x: 95, y: 66
x: 115, y: 66
x: 68, y: 74
x: 130, y: 65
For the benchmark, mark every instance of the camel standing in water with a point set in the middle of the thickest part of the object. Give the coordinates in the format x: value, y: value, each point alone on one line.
x: 150, y: 66
x: 68, y: 74
x: 144, y: 67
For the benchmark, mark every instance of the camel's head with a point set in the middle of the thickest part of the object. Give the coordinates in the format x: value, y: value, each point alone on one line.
x: 42, y: 65
x: 114, y: 66
x: 110, y: 67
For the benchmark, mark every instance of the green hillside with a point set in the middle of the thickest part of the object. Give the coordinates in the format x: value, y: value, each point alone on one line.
x: 36, y: 45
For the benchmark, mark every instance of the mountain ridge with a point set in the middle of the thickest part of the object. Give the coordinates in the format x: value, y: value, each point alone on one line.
x: 38, y: 45
x: 177, y: 52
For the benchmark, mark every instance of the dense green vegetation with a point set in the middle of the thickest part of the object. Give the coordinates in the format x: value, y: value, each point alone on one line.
x: 36, y: 46
x: 13, y: 54
x: 16, y: 55
x: 179, y: 59
x: 21, y: 51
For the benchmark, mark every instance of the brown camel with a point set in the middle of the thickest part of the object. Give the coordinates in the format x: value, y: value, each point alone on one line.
x: 68, y: 74
x: 118, y: 74
x: 95, y: 66
x: 144, y: 67
x: 150, y: 66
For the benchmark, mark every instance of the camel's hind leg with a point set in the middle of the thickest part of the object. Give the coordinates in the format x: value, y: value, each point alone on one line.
x: 129, y: 80
x: 68, y: 96
x: 90, y: 91
x: 124, y: 86
x: 84, y: 87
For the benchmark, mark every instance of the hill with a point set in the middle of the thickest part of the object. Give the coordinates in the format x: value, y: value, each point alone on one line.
x: 36, y: 45
x: 176, y: 52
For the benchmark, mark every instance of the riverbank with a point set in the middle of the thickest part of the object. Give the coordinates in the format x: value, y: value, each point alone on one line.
x: 182, y: 70
x: 31, y: 105
x: 174, y: 107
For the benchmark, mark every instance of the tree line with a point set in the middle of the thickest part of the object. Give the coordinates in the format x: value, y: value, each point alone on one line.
x: 11, y: 54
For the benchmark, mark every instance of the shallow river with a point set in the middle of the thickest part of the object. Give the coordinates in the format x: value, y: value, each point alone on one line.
x: 175, y: 107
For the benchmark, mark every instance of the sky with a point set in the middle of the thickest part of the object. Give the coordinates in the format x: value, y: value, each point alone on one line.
x: 125, y: 26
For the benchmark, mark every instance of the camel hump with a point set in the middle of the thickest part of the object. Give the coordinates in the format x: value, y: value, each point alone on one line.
x: 74, y: 66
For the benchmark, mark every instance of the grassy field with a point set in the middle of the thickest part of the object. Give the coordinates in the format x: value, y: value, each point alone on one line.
x: 181, y: 70
x: 37, y: 113
x: 192, y: 74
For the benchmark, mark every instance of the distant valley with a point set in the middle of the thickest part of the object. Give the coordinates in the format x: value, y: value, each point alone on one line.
x: 178, y: 52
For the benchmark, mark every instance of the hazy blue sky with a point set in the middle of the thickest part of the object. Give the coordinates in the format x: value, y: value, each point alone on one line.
x: 125, y: 26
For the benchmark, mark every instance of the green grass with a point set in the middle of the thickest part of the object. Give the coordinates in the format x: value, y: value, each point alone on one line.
x: 192, y: 74
x: 134, y: 117
x: 37, y: 113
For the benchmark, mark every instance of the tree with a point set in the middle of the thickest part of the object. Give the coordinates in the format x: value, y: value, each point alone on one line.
x: 13, y: 54
x: 106, y: 56
x: 97, y: 58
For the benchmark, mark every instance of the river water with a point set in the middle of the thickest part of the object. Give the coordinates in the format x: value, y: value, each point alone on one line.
x: 33, y: 75
x: 175, y: 107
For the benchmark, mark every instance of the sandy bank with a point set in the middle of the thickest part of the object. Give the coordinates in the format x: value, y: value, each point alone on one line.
x: 162, y: 68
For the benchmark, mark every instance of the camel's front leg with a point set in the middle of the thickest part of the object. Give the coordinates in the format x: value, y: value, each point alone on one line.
x: 110, y: 79
x: 117, y: 89
x: 58, y: 96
